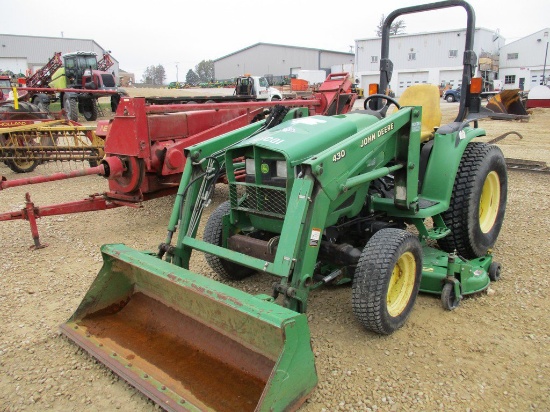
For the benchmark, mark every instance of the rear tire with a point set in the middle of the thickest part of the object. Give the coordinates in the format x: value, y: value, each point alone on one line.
x: 387, y: 280
x: 478, y: 202
x: 450, y: 98
x: 213, y: 233
x: 115, y: 100
x: 25, y: 111
x: 42, y: 102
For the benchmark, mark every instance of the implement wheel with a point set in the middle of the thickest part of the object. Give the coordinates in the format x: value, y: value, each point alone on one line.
x: 24, y: 112
x: 448, y: 297
x: 494, y: 272
x: 22, y: 165
x: 478, y: 202
x: 213, y: 233
x: 387, y: 280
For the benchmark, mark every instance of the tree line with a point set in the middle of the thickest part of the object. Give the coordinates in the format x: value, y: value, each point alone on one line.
x: 203, y: 73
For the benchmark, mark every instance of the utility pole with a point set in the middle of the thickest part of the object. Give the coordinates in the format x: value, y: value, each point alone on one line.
x: 177, y: 74
x: 544, y: 68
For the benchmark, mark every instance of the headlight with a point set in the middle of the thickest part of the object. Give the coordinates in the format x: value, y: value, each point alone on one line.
x: 250, y: 166
x: 281, y: 168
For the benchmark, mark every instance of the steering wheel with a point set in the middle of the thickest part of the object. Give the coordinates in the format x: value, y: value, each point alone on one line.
x: 383, y: 110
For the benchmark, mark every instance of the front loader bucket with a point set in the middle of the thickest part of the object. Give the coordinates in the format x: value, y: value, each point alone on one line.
x: 507, y: 102
x: 191, y: 343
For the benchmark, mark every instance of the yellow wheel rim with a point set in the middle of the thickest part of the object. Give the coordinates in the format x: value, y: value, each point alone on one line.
x: 489, y: 202
x: 21, y: 163
x: 401, y: 284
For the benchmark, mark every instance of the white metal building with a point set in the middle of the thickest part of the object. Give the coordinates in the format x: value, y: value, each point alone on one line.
x: 523, y: 62
x: 21, y: 53
x: 277, y: 60
x: 435, y: 57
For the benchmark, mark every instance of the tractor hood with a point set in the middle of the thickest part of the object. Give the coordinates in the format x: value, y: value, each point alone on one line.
x: 294, y: 138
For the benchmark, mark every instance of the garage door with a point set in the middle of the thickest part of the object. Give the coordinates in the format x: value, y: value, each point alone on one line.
x: 17, y: 65
x: 408, y: 79
x: 452, y: 77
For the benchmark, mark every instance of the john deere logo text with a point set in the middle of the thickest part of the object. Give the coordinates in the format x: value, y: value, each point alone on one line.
x: 372, y: 137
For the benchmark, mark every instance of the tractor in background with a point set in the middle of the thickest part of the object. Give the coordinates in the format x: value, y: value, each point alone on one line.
x: 81, y: 70
x: 78, y: 80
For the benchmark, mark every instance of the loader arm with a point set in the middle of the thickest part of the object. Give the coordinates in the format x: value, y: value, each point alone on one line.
x: 207, y: 160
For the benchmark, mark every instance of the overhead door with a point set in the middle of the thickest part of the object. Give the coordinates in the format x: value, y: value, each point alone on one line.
x: 450, y: 77
x: 408, y: 79
x: 17, y: 65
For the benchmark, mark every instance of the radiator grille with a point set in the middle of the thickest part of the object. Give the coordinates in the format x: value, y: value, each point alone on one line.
x: 259, y: 200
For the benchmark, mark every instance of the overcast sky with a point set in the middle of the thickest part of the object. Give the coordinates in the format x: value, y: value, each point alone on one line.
x: 183, y: 33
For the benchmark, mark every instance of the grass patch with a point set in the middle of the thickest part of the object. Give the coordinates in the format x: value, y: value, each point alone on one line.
x: 105, y: 107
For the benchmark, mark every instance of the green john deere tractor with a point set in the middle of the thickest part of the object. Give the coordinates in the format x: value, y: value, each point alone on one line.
x: 392, y: 203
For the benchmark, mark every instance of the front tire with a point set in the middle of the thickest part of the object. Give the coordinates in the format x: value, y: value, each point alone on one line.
x: 387, y: 280
x: 213, y: 233
x: 478, y: 202
x: 71, y: 107
x: 90, y: 110
x: 450, y: 98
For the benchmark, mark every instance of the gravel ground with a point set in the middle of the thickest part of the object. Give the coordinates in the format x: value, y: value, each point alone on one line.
x: 490, y: 354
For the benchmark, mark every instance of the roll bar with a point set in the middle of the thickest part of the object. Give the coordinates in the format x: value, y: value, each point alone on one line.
x: 469, y: 60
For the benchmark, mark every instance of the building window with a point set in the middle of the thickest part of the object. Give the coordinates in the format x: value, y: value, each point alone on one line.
x: 512, y: 56
x: 511, y: 79
x: 374, y: 59
x: 453, y: 53
x: 412, y: 56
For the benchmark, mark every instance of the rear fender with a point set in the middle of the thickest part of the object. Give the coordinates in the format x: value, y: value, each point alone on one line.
x: 443, y: 164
